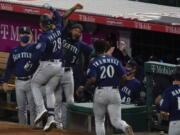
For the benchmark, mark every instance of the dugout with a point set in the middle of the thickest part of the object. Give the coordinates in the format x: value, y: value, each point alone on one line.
x: 148, y: 29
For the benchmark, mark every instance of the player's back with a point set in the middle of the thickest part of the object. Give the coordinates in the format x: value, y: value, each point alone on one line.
x: 171, y: 102
x: 108, y: 70
x: 52, y: 39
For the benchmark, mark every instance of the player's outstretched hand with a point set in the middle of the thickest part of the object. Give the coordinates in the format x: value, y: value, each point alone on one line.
x: 78, y: 6
x: 122, y: 46
x: 5, y: 86
x: 8, y: 87
x: 79, y: 90
x: 47, y: 6
x: 165, y: 115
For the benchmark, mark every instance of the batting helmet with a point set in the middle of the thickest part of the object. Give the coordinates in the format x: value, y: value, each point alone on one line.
x: 46, y: 19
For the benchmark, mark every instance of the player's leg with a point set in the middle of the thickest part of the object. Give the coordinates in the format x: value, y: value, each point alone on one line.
x: 31, y: 104
x: 174, y: 128
x: 50, y: 101
x: 44, y: 72
x: 68, y: 86
x: 21, y: 102
x: 58, y: 107
x: 99, y: 109
x: 114, y: 110
x: 39, y: 78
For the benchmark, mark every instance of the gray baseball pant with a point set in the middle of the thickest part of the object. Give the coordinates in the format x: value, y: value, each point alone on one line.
x: 24, y: 97
x: 45, y: 76
x: 174, y: 128
x: 66, y: 84
x: 107, y: 99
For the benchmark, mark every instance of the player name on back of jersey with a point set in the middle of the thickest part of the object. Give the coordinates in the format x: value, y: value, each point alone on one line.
x: 106, y: 60
x: 22, y: 55
x: 175, y: 92
x: 54, y: 35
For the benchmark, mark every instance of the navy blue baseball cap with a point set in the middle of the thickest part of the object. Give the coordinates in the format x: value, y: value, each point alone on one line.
x: 132, y: 63
x: 77, y: 25
x: 25, y: 30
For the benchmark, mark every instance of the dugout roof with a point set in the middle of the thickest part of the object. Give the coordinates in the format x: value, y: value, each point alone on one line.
x: 123, y: 13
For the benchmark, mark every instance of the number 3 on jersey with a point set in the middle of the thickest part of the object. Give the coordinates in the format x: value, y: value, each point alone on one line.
x: 107, y: 72
x: 57, y: 44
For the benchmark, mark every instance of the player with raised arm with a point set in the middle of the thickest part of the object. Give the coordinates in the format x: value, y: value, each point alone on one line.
x: 105, y: 72
x: 50, y: 66
x: 132, y: 91
x: 72, y: 49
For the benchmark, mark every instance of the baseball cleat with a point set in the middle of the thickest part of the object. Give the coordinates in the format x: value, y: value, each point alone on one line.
x: 129, y: 130
x: 40, y: 116
x: 59, y: 126
x: 50, y: 125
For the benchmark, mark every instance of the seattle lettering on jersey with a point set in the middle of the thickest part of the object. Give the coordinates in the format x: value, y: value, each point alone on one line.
x: 21, y: 56
x: 126, y: 90
x: 175, y: 92
x: 54, y: 35
x: 106, y: 60
x: 70, y: 47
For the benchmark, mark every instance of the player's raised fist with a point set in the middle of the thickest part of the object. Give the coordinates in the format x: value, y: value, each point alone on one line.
x: 123, y: 45
x: 78, y: 6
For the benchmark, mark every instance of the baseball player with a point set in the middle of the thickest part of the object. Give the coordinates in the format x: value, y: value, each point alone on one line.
x: 105, y: 72
x: 19, y: 64
x: 50, y: 65
x: 131, y: 92
x: 50, y: 68
x: 170, y: 104
x: 72, y: 47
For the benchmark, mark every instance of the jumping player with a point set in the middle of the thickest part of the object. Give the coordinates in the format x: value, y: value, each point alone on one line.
x: 50, y: 68
x: 50, y: 65
x: 170, y: 104
x: 105, y: 72
x: 19, y: 64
